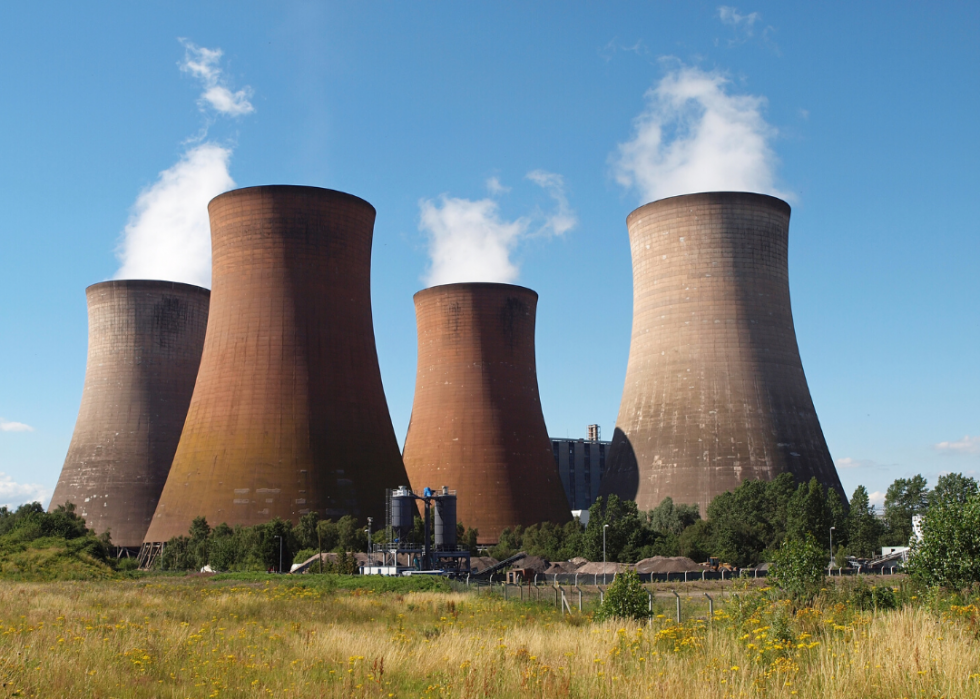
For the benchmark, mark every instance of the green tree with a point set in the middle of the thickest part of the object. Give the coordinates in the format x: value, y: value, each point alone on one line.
x: 624, y: 522
x: 863, y: 526
x: 328, y: 535
x: 798, y: 568
x: 903, y: 499
x: 837, y: 518
x: 306, y: 530
x: 351, y: 536
x: 668, y: 518
x: 949, y: 553
x: 197, y: 547
x: 749, y: 520
x: 278, y: 544
x: 808, y: 513
x: 625, y: 599
x: 953, y: 488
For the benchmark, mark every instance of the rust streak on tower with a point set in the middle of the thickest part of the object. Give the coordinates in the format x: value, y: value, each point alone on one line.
x: 289, y: 414
x: 715, y: 391
x: 144, y: 349
x: 477, y: 424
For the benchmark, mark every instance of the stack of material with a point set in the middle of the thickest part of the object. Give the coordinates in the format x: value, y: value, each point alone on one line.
x: 561, y: 568
x: 532, y: 563
x: 603, y: 568
x: 578, y: 561
x: 667, y: 564
x: 481, y: 563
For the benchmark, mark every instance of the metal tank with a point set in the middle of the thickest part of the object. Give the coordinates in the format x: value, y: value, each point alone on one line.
x: 477, y: 420
x: 445, y: 519
x: 403, y: 511
x: 144, y: 348
x: 289, y: 415
x: 715, y: 392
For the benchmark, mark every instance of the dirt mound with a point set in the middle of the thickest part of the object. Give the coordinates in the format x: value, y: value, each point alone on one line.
x: 667, y: 564
x: 535, y: 563
x: 578, y: 561
x: 561, y: 568
x: 602, y: 568
x: 480, y: 563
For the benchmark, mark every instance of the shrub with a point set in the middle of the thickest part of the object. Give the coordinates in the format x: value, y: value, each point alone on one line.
x: 625, y: 599
x: 798, y: 568
x: 949, y: 553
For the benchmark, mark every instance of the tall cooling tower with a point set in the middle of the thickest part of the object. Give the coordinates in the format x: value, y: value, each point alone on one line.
x: 477, y: 424
x: 144, y: 348
x: 289, y: 415
x: 715, y: 392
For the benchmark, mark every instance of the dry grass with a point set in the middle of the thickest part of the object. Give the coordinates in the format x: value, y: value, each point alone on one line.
x: 200, y: 638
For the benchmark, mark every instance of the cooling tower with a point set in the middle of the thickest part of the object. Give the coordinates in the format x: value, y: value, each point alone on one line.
x: 715, y: 392
x: 144, y: 348
x: 477, y: 425
x: 288, y: 415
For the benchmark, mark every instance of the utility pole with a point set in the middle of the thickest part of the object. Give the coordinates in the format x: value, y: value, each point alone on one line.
x: 280, y: 552
x: 604, y: 528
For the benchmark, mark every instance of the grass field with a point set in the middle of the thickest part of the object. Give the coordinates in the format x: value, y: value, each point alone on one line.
x: 313, y: 637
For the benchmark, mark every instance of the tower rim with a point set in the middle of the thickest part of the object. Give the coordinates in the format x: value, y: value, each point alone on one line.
x: 723, y: 194
x: 489, y: 286
x: 145, y: 285
x: 281, y: 188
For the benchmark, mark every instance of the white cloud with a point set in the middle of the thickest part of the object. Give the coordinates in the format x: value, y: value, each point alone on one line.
x: 168, y: 235
x: 495, y: 187
x: 967, y: 445
x: 739, y: 22
x: 694, y: 136
x: 203, y: 64
x: 469, y: 241
x: 877, y: 499
x: 9, y: 426
x: 563, y: 219
x: 13, y: 494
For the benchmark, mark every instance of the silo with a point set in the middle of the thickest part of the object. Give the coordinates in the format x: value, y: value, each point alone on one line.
x: 289, y: 415
x: 144, y: 349
x: 476, y: 421
x: 715, y: 391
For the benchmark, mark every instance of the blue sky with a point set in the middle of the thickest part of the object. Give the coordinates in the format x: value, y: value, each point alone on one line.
x: 498, y: 129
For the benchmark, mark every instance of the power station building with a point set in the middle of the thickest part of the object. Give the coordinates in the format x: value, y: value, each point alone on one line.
x: 144, y: 348
x: 715, y: 392
x: 477, y: 424
x: 581, y: 465
x: 289, y: 415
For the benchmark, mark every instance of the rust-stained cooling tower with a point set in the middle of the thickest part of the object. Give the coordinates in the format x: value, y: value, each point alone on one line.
x: 715, y: 392
x: 288, y: 415
x: 144, y: 348
x: 477, y: 424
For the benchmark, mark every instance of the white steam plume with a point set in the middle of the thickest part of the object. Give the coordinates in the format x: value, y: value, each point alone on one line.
x: 694, y: 136
x: 469, y: 241
x: 168, y: 233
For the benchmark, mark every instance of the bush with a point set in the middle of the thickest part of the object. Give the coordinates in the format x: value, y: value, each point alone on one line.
x: 949, y: 553
x: 625, y: 599
x: 798, y: 568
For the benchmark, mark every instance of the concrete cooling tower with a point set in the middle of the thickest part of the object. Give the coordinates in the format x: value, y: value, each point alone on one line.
x: 144, y: 349
x: 715, y: 392
x: 289, y: 415
x: 477, y: 424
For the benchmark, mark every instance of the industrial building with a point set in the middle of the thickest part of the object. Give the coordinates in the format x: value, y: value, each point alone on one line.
x: 477, y: 424
x: 715, y: 391
x: 144, y: 348
x: 289, y: 415
x: 581, y: 465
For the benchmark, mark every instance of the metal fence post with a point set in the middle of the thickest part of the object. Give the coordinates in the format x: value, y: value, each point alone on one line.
x: 711, y: 607
x: 678, y: 605
x: 650, y: 600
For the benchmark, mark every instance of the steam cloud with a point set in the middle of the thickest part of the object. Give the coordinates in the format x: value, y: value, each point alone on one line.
x: 694, y: 136
x: 168, y: 233
x: 469, y: 241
